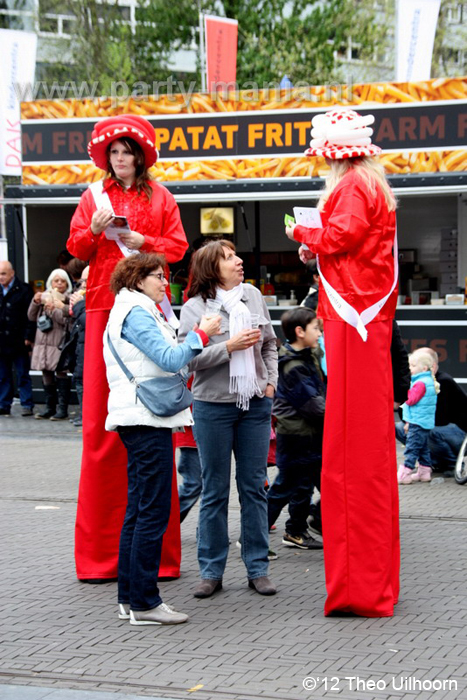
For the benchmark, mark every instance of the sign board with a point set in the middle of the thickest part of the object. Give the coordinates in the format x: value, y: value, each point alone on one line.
x: 16, y: 68
x: 254, y: 139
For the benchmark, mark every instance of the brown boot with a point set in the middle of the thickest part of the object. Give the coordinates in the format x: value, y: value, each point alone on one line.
x: 262, y: 585
x: 206, y: 587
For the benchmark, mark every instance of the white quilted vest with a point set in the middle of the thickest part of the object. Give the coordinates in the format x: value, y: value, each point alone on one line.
x: 124, y: 408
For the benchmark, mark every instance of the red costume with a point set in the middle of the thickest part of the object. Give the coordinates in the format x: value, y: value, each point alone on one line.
x: 103, y: 484
x: 359, y: 476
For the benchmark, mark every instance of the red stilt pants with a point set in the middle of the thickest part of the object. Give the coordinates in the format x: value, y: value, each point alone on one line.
x: 360, y: 503
x: 103, y: 484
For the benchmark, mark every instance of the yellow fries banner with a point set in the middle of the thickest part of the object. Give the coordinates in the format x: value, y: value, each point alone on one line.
x: 421, y: 127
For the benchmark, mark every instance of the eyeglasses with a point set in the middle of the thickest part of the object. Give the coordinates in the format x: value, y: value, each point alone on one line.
x: 160, y: 275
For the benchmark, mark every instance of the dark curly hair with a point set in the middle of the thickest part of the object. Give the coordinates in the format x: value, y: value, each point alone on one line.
x: 205, y: 270
x: 132, y: 270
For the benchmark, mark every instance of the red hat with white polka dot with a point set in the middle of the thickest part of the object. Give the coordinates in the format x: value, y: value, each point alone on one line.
x: 124, y: 126
x: 342, y: 133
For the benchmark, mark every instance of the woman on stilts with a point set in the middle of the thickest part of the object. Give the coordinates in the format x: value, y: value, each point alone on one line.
x: 123, y: 147
x: 356, y: 249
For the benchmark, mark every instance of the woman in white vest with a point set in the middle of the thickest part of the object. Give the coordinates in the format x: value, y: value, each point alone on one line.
x: 146, y: 345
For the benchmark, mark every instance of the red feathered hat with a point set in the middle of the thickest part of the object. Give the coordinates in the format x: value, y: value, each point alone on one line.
x: 129, y: 126
x: 342, y: 133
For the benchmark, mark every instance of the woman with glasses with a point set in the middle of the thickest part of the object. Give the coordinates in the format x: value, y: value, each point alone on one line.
x: 146, y: 344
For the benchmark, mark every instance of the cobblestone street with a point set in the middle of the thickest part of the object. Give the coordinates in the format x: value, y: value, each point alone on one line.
x: 62, y: 640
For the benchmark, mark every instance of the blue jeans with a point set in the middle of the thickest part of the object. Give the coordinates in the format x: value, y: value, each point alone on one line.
x: 21, y: 363
x: 444, y: 443
x: 190, y: 468
x: 416, y: 447
x: 150, y: 464
x: 299, y: 471
x: 221, y: 428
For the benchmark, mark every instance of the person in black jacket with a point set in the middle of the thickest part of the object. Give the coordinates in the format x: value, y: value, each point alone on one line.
x: 450, y: 429
x: 299, y: 410
x: 72, y: 357
x: 16, y: 340
x: 400, y: 367
x: 311, y: 299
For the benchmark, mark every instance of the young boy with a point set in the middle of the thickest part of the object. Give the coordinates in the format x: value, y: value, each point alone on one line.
x: 299, y: 410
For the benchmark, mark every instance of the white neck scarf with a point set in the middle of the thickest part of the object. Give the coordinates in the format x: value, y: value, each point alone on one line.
x: 242, y: 364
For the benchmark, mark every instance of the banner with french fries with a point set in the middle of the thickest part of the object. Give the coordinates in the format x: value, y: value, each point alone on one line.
x: 421, y: 127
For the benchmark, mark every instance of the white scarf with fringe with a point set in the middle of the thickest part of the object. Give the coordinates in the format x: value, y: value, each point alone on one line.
x: 242, y: 364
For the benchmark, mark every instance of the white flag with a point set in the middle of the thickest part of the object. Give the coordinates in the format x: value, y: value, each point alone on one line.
x: 16, y: 68
x: 415, y: 35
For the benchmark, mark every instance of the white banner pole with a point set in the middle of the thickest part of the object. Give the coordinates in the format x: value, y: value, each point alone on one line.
x: 202, y: 53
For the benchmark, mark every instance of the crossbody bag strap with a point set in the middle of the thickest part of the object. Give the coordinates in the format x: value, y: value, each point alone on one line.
x: 120, y: 362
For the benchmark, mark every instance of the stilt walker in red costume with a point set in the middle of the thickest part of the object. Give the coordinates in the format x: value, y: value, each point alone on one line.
x: 124, y: 147
x: 356, y: 249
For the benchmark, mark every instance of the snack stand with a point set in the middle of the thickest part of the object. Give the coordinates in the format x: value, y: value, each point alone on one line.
x: 246, y: 151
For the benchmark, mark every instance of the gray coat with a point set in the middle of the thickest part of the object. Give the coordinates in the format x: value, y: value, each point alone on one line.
x: 211, y: 367
x: 46, y: 352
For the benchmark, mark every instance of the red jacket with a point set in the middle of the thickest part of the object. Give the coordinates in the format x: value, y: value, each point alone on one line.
x: 186, y: 439
x: 354, y: 247
x: 157, y: 220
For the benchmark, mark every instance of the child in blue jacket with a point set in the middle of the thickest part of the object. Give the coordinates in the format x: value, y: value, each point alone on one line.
x: 418, y: 412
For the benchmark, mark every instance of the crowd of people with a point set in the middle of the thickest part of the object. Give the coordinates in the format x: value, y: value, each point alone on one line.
x: 330, y: 388
x: 37, y: 332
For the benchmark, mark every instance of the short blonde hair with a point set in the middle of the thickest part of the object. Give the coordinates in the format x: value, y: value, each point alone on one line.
x: 427, y: 359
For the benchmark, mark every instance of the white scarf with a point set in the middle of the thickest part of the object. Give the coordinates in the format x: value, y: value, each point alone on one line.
x: 242, y: 364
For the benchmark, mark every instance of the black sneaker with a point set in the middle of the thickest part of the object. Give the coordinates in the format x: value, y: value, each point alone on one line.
x: 301, y: 541
x: 4, y: 411
x: 272, y: 556
x: 314, y: 528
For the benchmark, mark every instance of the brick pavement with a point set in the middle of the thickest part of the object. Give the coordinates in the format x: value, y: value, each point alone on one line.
x: 59, y: 635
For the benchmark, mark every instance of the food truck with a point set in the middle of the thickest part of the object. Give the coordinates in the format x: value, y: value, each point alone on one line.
x: 235, y: 165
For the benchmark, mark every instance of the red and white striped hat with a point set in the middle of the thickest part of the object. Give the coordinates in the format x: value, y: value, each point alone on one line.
x: 130, y: 126
x: 342, y: 133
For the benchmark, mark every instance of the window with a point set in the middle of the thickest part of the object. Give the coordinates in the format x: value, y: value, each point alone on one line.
x: 124, y: 12
x: 68, y: 25
x: 455, y: 13
x: 452, y: 56
x: 48, y: 24
x: 16, y: 19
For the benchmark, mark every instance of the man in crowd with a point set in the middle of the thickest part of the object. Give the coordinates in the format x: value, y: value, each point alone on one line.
x: 16, y: 339
x: 311, y: 299
x: 446, y: 438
